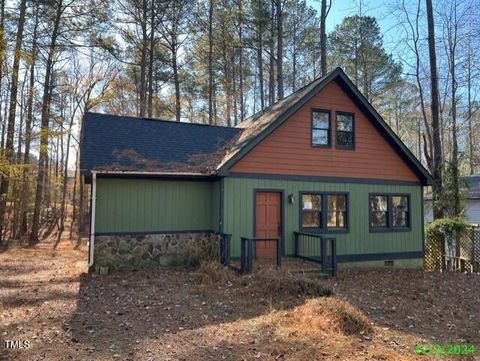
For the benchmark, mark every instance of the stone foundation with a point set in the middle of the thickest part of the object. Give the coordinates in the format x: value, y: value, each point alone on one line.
x: 151, y: 250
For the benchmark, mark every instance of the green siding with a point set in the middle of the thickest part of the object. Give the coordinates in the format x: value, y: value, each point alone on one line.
x: 215, y: 206
x: 239, y: 214
x: 148, y: 205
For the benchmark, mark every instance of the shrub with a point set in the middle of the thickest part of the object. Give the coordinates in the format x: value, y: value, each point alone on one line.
x: 446, y: 227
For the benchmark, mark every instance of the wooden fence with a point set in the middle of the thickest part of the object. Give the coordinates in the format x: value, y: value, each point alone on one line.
x: 456, y: 252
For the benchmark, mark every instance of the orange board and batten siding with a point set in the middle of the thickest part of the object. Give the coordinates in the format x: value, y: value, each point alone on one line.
x: 288, y: 149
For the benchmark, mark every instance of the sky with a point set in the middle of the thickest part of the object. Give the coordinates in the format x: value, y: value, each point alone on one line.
x: 381, y: 10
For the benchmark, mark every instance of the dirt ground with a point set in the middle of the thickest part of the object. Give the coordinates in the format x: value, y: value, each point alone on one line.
x: 48, y: 299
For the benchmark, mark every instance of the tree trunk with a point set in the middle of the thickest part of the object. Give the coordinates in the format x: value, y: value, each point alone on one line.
x: 143, y: 59
x: 294, y: 68
x: 279, y: 48
x: 240, y: 60
x: 3, y: 51
x: 74, y: 196
x: 210, y: 62
x: 294, y: 56
x: 469, y: 111
x: 260, y: 58
x: 81, y: 210
x: 234, y: 90
x: 44, y: 132
x: 151, y: 56
x: 437, y: 145
x: 63, y: 204
x: 176, y: 81
x: 323, y: 37
x: 9, y: 151
x: 452, y: 50
x: 271, y: 84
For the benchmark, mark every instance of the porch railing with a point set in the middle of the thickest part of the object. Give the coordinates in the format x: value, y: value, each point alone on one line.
x: 315, y: 248
x: 247, y: 251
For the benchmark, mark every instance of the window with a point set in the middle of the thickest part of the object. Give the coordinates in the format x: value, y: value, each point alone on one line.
x: 389, y: 211
x: 337, y: 211
x: 345, y: 130
x: 324, y: 211
x: 320, y: 128
x: 379, y: 211
x: 400, y: 211
x: 311, y: 210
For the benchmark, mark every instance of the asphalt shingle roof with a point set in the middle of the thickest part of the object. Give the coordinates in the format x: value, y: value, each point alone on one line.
x: 122, y: 143
x: 113, y: 142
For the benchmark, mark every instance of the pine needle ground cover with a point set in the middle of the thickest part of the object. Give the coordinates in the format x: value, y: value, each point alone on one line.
x: 211, y: 313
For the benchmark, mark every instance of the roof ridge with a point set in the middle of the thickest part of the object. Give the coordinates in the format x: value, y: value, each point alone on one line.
x: 265, y: 110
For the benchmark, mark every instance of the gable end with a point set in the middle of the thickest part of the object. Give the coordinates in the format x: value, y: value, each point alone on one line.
x: 363, y: 105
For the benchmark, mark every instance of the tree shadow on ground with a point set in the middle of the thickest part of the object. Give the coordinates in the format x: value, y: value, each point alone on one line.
x: 117, y: 313
x: 440, y: 307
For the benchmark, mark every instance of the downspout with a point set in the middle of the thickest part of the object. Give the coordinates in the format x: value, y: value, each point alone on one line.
x: 91, y: 243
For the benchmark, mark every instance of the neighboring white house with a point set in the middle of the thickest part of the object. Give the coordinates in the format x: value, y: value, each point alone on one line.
x: 472, y: 200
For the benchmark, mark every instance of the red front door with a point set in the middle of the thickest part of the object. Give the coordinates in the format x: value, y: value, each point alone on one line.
x: 268, y: 222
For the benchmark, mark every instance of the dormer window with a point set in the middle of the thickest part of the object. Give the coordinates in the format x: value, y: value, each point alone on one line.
x: 321, y: 128
x: 345, y: 131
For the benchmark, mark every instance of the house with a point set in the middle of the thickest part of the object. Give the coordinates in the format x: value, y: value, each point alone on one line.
x: 320, y: 161
x: 470, y: 191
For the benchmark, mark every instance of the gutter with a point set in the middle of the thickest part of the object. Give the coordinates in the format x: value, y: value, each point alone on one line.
x: 91, y: 244
x: 173, y: 174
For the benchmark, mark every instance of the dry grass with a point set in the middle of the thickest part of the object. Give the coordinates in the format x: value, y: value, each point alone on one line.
x: 267, y: 279
x: 320, y: 316
x: 213, y: 272
x: 161, y: 314
x: 281, y: 281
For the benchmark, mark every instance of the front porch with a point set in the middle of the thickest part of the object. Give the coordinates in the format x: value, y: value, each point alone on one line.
x: 312, y: 253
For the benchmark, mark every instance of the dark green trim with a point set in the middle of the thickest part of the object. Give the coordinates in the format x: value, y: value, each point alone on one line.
x: 140, y: 175
x: 323, y: 221
x: 222, y: 204
x: 329, y: 137
x: 352, y: 90
x: 365, y: 257
x: 422, y: 207
x: 344, y: 147
x: 306, y: 178
x: 201, y: 178
x: 90, y: 223
x: 282, y: 213
x: 378, y: 256
x: 153, y: 232
x: 389, y: 227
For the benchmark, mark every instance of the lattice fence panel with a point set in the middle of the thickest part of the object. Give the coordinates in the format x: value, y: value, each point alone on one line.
x: 465, y: 251
x: 476, y: 250
x: 434, y: 254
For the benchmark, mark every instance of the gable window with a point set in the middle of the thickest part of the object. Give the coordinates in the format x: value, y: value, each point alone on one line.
x: 389, y: 212
x: 337, y: 211
x: 324, y: 211
x: 311, y: 210
x: 320, y: 128
x: 345, y: 131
